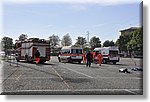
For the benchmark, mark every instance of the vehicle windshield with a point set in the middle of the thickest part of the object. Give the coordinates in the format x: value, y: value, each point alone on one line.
x: 113, y: 52
x: 76, y: 51
x: 65, y: 51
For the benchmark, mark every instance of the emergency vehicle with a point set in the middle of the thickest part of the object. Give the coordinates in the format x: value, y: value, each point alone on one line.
x: 71, y: 54
x: 25, y: 50
x: 110, y: 54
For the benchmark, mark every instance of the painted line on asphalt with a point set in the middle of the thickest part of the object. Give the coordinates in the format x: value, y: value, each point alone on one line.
x: 135, y: 78
x: 79, y: 72
x: 9, y: 76
x: 18, y: 77
x: 61, y: 78
x: 131, y: 91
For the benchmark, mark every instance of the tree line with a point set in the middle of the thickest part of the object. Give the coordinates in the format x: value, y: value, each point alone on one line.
x: 130, y: 43
x: 54, y: 40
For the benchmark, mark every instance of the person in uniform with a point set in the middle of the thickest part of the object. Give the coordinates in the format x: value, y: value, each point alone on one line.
x: 100, y: 58
x: 89, y: 58
x: 37, y: 56
x: 94, y: 55
x: 84, y: 57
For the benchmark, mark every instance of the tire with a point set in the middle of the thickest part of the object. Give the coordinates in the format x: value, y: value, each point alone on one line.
x: 42, y: 62
x: 26, y: 58
x: 69, y: 60
x: 79, y: 62
x: 18, y: 60
x: 114, y: 62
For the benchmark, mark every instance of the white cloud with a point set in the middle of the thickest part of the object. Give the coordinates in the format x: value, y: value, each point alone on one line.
x: 99, y: 2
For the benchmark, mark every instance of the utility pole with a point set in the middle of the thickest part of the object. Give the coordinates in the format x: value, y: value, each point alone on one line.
x: 88, y: 42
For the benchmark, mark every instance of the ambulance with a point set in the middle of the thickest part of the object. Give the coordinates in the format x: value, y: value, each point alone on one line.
x: 71, y: 54
x: 110, y: 54
x: 25, y: 50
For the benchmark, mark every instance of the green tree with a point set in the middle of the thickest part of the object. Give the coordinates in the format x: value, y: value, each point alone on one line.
x: 131, y: 42
x: 108, y: 43
x: 22, y: 37
x: 95, y: 42
x: 80, y: 41
x: 54, y: 40
x: 136, y: 43
x: 123, y: 41
x: 66, y: 41
x: 7, y: 44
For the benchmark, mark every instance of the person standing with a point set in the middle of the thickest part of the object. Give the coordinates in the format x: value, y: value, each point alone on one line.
x: 89, y: 58
x: 37, y: 56
x: 100, y: 58
x: 84, y: 57
x: 59, y: 56
x: 93, y: 54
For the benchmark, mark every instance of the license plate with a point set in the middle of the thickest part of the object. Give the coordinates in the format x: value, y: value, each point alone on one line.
x: 76, y: 57
x: 114, y: 58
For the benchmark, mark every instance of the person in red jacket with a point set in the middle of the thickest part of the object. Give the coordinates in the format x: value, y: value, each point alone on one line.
x: 100, y: 58
x: 94, y: 54
x: 84, y: 57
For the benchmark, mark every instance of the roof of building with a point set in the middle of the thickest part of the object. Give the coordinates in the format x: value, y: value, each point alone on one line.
x: 129, y: 29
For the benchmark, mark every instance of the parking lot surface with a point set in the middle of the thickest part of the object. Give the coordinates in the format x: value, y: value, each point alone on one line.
x: 55, y: 77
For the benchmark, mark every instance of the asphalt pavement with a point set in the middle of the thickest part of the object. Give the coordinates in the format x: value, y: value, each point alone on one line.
x: 56, y: 78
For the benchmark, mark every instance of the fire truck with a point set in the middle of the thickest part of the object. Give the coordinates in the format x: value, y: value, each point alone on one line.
x: 110, y: 54
x: 71, y: 54
x: 25, y: 50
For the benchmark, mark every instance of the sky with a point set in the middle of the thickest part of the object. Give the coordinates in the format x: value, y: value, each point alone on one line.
x: 42, y: 18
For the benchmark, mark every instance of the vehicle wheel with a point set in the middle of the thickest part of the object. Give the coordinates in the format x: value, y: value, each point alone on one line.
x: 42, y: 62
x: 26, y: 59
x: 68, y: 60
x: 79, y: 62
x: 114, y: 62
x: 18, y: 60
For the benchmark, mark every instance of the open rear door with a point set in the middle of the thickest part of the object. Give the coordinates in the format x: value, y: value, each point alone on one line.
x: 33, y: 51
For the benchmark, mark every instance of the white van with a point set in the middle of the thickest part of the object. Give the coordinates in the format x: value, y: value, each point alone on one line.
x: 110, y: 54
x: 71, y: 54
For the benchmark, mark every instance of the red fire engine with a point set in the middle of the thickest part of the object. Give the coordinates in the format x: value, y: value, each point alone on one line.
x: 25, y: 50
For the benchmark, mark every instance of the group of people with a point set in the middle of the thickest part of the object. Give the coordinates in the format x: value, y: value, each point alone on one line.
x: 89, y: 58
